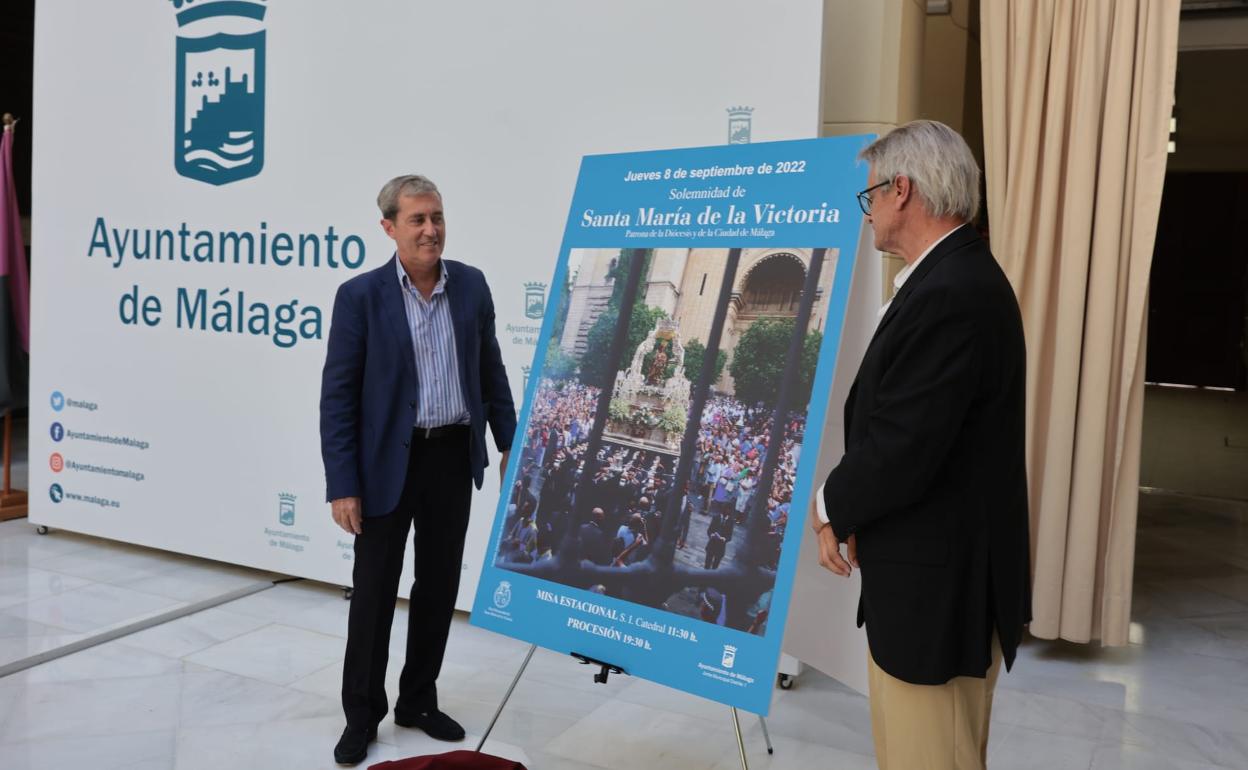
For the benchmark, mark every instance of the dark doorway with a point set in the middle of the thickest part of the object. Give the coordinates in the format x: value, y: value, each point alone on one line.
x: 1199, y: 291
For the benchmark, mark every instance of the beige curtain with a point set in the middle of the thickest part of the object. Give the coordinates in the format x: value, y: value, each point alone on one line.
x: 1077, y: 102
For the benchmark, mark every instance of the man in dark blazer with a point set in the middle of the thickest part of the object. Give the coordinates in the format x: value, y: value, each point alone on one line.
x: 930, y: 497
x: 412, y: 376
x: 595, y: 543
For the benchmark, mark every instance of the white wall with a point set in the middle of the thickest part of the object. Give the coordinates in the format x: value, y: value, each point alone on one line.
x: 495, y: 101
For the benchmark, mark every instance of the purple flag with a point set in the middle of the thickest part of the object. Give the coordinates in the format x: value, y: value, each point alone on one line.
x: 13, y: 270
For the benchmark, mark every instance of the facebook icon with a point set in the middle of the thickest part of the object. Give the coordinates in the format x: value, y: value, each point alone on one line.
x: 58, y: 431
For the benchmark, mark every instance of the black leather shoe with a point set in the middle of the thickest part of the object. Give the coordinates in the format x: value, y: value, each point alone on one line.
x: 435, y: 723
x: 353, y: 745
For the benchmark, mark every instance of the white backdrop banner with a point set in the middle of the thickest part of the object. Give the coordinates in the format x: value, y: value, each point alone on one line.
x: 204, y: 178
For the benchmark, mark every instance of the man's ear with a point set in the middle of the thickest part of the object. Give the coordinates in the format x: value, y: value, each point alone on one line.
x: 388, y: 227
x: 902, y: 191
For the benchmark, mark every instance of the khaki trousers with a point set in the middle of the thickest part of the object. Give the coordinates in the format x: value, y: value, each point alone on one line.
x: 932, y: 727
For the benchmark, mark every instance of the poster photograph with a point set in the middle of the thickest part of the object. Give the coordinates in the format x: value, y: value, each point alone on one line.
x: 658, y: 484
x: 622, y: 504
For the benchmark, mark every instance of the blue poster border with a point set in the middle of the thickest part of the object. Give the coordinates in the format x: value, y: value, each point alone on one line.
x: 652, y: 643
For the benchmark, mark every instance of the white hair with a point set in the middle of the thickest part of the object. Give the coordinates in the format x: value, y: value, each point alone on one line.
x: 936, y: 160
x: 408, y: 184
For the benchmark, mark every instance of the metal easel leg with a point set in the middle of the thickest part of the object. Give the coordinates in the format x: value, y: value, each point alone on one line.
x: 766, y: 736
x: 736, y: 723
x: 514, y: 682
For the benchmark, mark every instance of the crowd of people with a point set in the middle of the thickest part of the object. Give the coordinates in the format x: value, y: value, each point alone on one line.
x: 626, y: 499
x: 731, y: 449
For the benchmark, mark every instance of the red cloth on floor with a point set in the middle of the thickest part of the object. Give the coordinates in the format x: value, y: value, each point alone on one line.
x: 452, y: 760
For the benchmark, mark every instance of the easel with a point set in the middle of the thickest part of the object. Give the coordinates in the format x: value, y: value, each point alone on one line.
x: 12, y: 501
x: 605, y: 670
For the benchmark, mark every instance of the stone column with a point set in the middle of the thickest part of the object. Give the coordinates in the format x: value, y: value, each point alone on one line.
x: 872, y: 72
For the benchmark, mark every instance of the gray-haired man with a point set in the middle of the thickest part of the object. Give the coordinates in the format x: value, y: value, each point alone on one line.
x: 931, y: 494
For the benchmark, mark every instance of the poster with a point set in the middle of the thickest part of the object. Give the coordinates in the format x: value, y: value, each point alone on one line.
x: 664, y: 461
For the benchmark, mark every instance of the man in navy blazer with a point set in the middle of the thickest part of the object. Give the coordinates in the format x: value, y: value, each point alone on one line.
x: 413, y: 374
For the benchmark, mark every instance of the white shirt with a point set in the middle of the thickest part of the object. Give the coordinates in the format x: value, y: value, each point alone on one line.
x: 898, y: 281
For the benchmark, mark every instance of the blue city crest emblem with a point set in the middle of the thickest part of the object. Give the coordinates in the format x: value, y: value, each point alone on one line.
x: 219, y: 112
x: 534, y: 300
x: 286, y: 509
x: 740, y: 123
x: 502, y: 595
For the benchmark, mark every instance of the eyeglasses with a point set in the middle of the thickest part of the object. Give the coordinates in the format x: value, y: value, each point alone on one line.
x: 864, y: 197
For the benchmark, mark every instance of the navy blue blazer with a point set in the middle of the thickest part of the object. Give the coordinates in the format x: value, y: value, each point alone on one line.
x: 369, y: 392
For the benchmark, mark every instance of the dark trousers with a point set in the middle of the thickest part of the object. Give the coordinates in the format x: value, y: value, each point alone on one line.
x: 682, y: 533
x: 435, y: 502
x: 715, y: 548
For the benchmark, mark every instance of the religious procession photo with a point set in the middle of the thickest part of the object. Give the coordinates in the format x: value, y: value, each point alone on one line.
x: 659, y: 458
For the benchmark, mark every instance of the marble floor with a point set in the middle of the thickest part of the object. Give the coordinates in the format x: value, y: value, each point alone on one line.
x: 253, y: 683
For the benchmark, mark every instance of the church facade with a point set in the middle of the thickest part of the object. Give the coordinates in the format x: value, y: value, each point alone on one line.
x: 685, y: 284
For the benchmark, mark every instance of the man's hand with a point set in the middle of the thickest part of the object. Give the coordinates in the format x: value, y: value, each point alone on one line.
x: 829, y: 547
x: 830, y: 552
x: 502, y: 467
x: 346, y: 512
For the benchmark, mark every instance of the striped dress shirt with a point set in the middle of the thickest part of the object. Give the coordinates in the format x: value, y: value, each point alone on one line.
x: 440, y: 400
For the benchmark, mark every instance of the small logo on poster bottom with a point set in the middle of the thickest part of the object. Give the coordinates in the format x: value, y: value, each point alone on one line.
x: 56, y: 462
x: 57, y: 431
x: 56, y: 493
x: 730, y: 656
x: 286, y: 509
x: 502, y: 595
